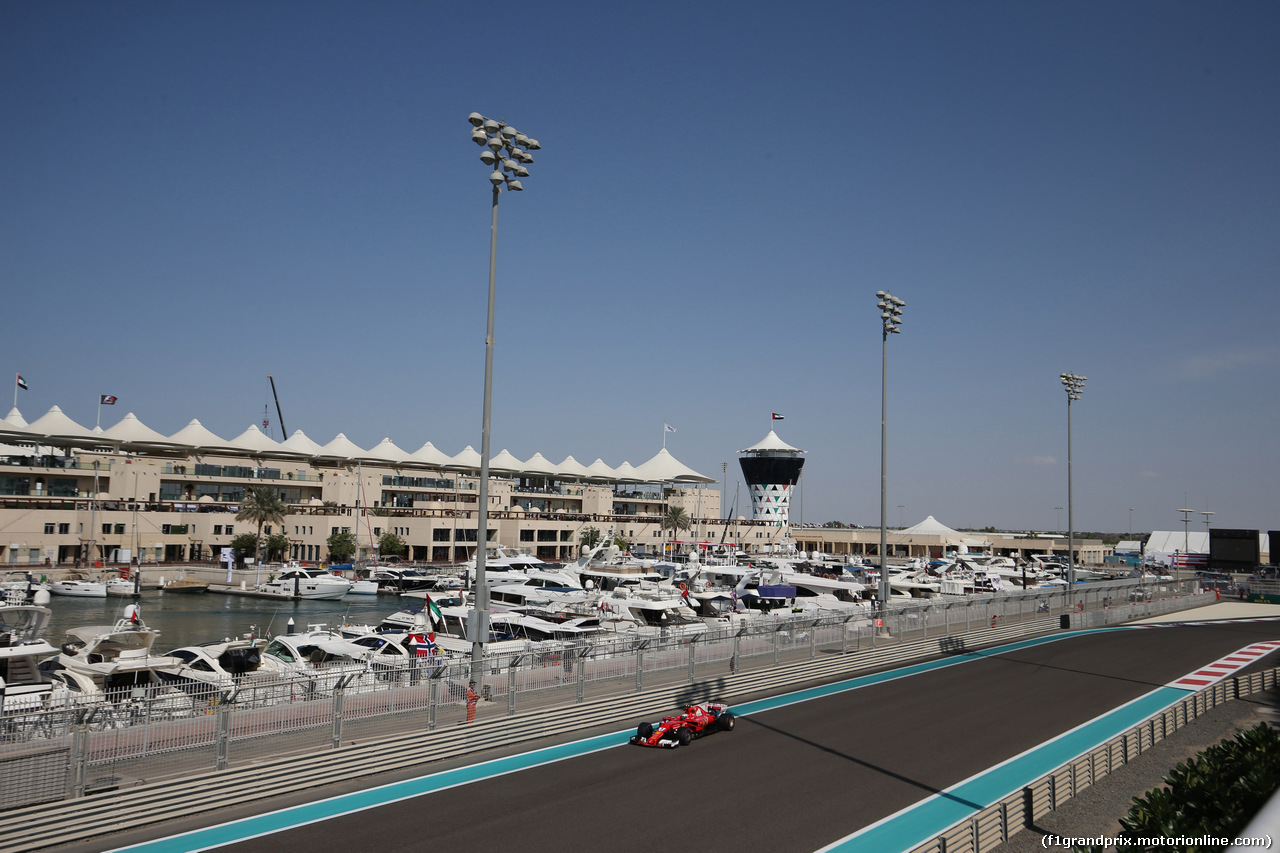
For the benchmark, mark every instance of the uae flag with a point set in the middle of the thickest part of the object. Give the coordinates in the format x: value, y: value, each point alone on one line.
x: 777, y: 417
x: 436, y: 616
x: 107, y: 400
x: 22, y: 383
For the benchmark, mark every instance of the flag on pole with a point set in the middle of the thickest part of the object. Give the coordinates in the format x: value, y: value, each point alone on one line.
x: 434, y: 611
x: 777, y: 417
x: 668, y: 428
x: 22, y: 383
x: 106, y: 400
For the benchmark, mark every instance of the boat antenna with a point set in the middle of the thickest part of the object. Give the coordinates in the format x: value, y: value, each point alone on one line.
x: 284, y: 433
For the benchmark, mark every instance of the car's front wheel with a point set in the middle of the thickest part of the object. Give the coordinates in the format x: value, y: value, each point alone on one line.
x: 683, y: 736
x: 644, y: 731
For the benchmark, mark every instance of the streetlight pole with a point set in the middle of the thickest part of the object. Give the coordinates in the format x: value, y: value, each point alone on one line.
x: 506, y: 151
x: 1058, y: 529
x: 1074, y: 385
x: 891, y: 318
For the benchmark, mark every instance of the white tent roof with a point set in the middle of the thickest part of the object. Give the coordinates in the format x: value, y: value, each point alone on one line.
x: 386, y: 451
x: 599, y: 471
x: 929, y: 527
x: 505, y: 463
x: 54, y: 424
x: 342, y: 447
x: 254, y: 440
x: 539, y: 464
x: 571, y: 467
x: 770, y: 442
x: 428, y: 454
x: 665, y: 468
x: 195, y: 435
x: 301, y: 444
x: 1178, y: 541
x: 627, y: 473
x: 467, y: 459
x: 130, y: 430
x: 14, y: 426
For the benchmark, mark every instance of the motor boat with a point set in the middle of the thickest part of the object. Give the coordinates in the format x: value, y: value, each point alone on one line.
x: 22, y: 645
x: 22, y: 588
x: 306, y: 582
x: 114, y: 663
x: 229, y: 669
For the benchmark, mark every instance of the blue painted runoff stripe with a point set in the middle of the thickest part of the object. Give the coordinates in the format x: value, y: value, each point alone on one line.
x: 301, y: 815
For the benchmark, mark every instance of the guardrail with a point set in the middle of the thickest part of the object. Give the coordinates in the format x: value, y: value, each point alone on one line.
x: 1000, y: 821
x: 50, y: 824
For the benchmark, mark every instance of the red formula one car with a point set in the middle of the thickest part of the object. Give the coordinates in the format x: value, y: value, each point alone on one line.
x: 696, y: 721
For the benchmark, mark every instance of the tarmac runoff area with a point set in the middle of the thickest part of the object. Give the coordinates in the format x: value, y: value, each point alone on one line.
x: 1096, y: 812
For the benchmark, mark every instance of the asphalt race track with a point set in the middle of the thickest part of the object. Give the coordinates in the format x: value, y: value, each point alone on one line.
x: 793, y: 778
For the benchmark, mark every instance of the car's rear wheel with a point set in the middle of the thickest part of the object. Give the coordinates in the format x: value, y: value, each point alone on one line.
x: 683, y: 736
x: 726, y: 721
x: 644, y: 731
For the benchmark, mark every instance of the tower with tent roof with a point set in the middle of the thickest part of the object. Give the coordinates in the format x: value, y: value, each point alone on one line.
x: 771, y: 468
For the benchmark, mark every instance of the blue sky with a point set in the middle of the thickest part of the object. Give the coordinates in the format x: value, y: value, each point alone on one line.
x: 194, y: 196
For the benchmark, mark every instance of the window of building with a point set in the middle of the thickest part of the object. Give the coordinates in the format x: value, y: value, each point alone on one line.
x: 440, y: 534
x: 217, y: 530
x: 64, y: 527
x: 547, y: 535
x: 106, y: 529
x: 230, y: 529
x: 119, y: 528
x: 48, y: 528
x: 526, y: 535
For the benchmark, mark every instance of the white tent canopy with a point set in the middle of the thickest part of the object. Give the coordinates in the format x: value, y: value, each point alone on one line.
x: 428, y: 455
x: 54, y: 425
x: 573, y: 469
x: 253, y: 440
x: 929, y: 527
x: 665, y: 468
x: 342, y: 448
x: 539, y: 465
x: 196, y: 436
x: 386, y: 451
x: 773, y: 443
x: 505, y: 463
x: 466, y: 460
x: 130, y: 430
x: 299, y: 443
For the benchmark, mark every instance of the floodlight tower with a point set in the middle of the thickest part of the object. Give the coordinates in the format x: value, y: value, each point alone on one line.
x: 506, y: 151
x: 1074, y: 386
x: 891, y: 318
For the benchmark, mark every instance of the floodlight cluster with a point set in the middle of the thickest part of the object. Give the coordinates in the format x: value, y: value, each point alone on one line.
x: 1074, y: 385
x: 890, y: 311
x: 506, y: 150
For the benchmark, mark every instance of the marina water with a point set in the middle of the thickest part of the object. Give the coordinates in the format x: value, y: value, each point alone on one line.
x: 185, y: 619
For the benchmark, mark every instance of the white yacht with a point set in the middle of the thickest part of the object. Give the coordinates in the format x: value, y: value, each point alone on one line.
x: 306, y: 582
x: 22, y: 645
x: 78, y: 584
x: 114, y: 663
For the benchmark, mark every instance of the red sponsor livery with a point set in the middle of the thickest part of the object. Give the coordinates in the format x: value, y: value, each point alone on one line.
x: 696, y: 721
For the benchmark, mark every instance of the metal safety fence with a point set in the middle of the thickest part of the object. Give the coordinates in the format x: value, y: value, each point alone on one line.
x: 136, y: 738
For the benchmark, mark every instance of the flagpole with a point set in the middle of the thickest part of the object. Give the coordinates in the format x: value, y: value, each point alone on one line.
x: 97, y: 424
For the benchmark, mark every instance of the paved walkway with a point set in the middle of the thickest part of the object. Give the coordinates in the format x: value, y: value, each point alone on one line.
x: 1222, y: 610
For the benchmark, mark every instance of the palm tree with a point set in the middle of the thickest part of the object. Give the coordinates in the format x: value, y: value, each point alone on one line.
x: 261, y: 505
x: 675, y: 518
